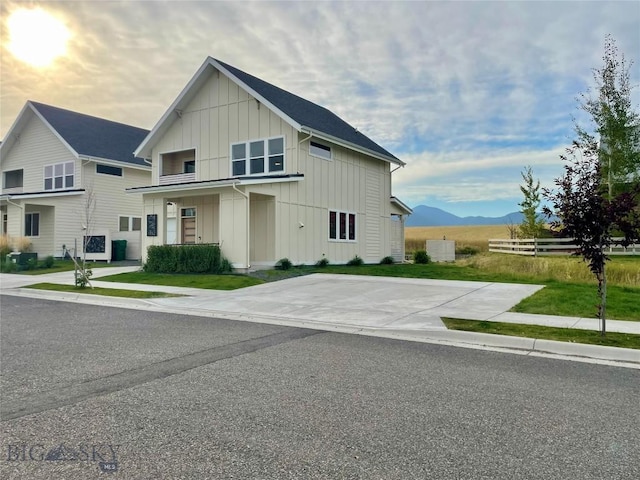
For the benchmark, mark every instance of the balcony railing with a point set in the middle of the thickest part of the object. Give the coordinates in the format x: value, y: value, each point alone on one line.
x: 177, y: 178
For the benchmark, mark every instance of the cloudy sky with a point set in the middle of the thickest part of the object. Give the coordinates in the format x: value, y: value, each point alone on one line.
x: 467, y: 93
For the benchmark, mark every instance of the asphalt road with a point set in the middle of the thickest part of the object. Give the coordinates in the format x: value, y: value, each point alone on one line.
x: 87, y: 390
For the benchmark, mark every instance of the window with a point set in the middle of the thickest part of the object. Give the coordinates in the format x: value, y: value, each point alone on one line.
x: 108, y: 170
x: 257, y: 157
x: 129, y: 224
x: 319, y: 150
x: 58, y: 176
x: 31, y: 224
x: 189, y: 167
x: 342, y: 226
x: 13, y: 179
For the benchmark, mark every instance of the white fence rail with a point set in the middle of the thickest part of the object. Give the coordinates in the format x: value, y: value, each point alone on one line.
x: 552, y: 246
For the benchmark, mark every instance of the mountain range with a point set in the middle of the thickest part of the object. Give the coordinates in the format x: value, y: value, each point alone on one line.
x: 424, y: 216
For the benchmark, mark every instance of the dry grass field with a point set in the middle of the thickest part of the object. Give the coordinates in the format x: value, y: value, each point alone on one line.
x: 476, y: 236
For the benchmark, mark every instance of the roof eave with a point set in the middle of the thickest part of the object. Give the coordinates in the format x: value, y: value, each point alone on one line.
x: 115, y: 163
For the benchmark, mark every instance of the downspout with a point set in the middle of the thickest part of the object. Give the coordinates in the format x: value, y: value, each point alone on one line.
x: 246, y: 196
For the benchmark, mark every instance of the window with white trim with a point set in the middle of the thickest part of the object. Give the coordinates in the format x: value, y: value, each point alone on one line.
x: 129, y: 224
x: 59, y: 176
x: 318, y: 150
x: 32, y: 224
x: 257, y: 157
x: 342, y: 226
x: 14, y: 178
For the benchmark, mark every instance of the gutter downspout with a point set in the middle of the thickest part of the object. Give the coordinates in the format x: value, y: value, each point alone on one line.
x: 246, y: 196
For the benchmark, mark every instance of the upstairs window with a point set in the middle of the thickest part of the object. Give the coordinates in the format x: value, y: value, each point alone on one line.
x: 59, y: 176
x: 318, y: 150
x: 257, y: 157
x: 342, y: 226
x: 13, y: 179
x: 108, y: 170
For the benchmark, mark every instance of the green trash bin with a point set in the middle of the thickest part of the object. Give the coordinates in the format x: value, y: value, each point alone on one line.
x: 118, y: 250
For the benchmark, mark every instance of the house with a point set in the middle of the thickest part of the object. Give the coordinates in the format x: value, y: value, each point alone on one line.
x: 53, y: 161
x: 266, y: 175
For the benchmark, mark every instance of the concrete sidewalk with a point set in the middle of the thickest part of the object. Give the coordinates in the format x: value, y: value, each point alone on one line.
x: 382, y: 306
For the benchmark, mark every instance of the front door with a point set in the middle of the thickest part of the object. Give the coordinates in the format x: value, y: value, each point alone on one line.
x: 188, y: 221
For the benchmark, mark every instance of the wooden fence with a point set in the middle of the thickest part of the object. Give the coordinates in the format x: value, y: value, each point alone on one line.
x: 552, y: 246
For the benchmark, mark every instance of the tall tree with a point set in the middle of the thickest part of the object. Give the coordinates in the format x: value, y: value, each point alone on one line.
x: 613, y: 121
x: 599, y: 194
x: 532, y: 224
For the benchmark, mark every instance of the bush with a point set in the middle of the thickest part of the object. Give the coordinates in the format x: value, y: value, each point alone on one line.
x: 48, y: 262
x: 32, y: 264
x: 82, y: 277
x: 7, y: 266
x: 355, y: 261
x: 284, y: 264
x: 5, y: 246
x: 467, y: 250
x: 387, y: 261
x: 186, y: 259
x: 420, y: 256
x: 323, y: 262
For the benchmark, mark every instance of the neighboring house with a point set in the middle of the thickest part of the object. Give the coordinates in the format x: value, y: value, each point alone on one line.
x: 267, y: 175
x: 51, y: 161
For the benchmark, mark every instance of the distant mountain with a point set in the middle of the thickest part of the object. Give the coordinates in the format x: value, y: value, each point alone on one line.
x: 424, y: 216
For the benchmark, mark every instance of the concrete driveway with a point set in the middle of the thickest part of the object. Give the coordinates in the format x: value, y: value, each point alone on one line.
x: 359, y: 301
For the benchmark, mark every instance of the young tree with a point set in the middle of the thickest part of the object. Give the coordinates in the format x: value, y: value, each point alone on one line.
x: 614, y: 121
x: 599, y: 194
x: 532, y: 224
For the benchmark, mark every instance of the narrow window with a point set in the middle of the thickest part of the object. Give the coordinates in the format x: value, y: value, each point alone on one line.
x: 352, y: 226
x: 256, y: 151
x: 319, y: 150
x: 276, y: 154
x: 343, y: 226
x: 136, y: 224
x: 123, y: 224
x: 239, y: 159
x: 332, y: 226
x: 108, y: 170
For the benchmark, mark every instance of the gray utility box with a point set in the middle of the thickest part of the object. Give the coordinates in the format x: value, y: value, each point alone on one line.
x: 441, y: 250
x: 21, y: 258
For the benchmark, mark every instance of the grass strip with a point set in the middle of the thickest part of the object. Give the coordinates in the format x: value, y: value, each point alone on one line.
x: 571, y: 335
x: 107, y: 292
x: 213, y: 282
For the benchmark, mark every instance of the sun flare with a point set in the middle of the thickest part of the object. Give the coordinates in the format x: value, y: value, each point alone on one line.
x: 37, y: 37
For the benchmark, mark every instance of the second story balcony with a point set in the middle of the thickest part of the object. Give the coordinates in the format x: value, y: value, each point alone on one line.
x: 177, y: 167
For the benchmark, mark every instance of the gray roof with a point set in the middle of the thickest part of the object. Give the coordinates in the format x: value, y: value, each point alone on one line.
x: 307, y: 113
x: 95, y: 137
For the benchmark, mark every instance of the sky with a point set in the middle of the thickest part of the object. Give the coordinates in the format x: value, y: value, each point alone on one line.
x: 468, y: 94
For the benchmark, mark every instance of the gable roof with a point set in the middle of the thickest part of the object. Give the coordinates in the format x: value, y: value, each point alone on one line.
x: 84, y: 135
x: 301, y: 114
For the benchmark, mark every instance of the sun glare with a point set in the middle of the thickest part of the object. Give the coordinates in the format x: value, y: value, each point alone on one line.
x: 36, y: 37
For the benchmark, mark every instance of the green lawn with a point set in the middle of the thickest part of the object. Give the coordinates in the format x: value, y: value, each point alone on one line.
x: 612, y: 339
x: 108, y: 292
x: 214, y: 282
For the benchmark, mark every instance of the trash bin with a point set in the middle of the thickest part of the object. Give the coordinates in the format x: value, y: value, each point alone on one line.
x: 118, y: 250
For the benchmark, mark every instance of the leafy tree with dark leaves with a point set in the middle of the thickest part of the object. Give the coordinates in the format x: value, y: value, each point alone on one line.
x: 598, y: 197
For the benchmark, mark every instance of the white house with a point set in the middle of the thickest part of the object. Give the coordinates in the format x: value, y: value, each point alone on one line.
x: 51, y: 160
x: 267, y: 175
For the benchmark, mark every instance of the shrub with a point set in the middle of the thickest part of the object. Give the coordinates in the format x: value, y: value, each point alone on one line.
x: 7, y: 266
x: 32, y: 264
x: 5, y: 246
x: 83, y: 276
x: 22, y: 244
x: 420, y: 256
x: 284, y: 264
x: 186, y: 259
x: 48, y: 262
x: 387, y: 261
x: 355, y: 261
x: 323, y: 262
x: 467, y: 250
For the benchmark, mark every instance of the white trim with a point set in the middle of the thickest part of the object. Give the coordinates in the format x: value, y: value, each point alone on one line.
x: 402, y: 205
x: 211, y: 184
x: 45, y: 194
x: 115, y: 163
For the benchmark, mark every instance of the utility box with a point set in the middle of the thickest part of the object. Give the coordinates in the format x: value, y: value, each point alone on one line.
x: 441, y: 250
x: 21, y: 258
